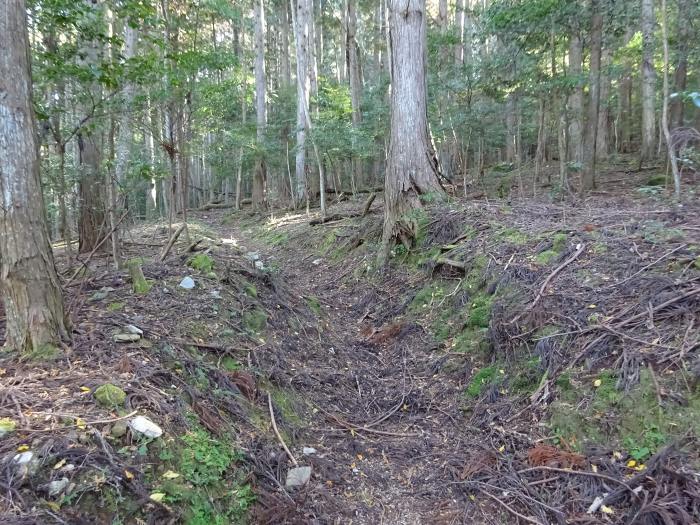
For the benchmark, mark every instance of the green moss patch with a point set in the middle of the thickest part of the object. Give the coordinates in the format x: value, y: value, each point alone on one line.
x: 481, y: 380
x: 109, y: 395
x: 255, y: 320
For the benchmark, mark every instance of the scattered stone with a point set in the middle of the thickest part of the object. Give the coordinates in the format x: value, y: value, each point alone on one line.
x: 119, y: 428
x: 56, y: 488
x: 216, y: 294
x: 309, y: 451
x: 298, y: 477
x: 23, y: 458
x: 252, y: 256
x: 145, y: 426
x: 109, y: 395
x: 187, y: 283
x: 133, y: 329
x: 259, y: 265
x: 7, y: 426
x: 126, y: 338
x: 316, y: 262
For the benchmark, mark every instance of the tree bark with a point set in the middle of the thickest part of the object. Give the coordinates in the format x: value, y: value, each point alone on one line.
x: 681, y: 73
x: 665, y: 117
x: 28, y: 281
x: 648, y: 82
x: 589, y: 166
x: 575, y: 102
x: 260, y: 176
x: 301, y: 38
x: 92, y: 222
x: 412, y: 166
x: 602, y: 146
x: 355, y: 83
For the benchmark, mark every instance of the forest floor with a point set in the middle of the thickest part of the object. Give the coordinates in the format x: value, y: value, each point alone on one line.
x: 530, y: 362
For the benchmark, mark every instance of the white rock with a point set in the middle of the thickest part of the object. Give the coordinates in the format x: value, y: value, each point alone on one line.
x: 298, y: 477
x: 57, y: 487
x: 145, y: 426
x: 309, y: 451
x: 252, y: 256
x: 259, y: 265
x: 133, y: 329
x: 187, y: 283
x: 126, y: 338
x: 316, y: 262
x: 23, y: 457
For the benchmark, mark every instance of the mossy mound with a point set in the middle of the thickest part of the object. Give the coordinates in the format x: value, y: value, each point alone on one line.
x: 109, y: 395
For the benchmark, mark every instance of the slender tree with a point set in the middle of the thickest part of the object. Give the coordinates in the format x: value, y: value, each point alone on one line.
x: 302, y: 11
x: 28, y: 280
x: 596, y: 38
x: 260, y: 177
x: 412, y: 169
x: 648, y: 82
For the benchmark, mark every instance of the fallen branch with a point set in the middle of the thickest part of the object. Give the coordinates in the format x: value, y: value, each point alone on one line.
x: 340, y: 216
x: 277, y: 432
x: 549, y: 278
x: 171, y: 242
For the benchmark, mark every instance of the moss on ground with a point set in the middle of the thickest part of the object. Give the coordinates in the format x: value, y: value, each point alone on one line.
x: 314, y: 304
x: 481, y: 380
x: 109, y: 395
x: 255, y: 320
x: 512, y: 236
x: 596, y: 412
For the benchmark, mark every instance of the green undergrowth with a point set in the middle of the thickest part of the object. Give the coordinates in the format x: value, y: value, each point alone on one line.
x: 202, y: 475
x: 594, y: 411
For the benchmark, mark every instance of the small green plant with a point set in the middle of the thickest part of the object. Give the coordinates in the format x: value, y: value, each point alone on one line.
x: 115, y: 307
x: 201, y: 262
x: 204, y: 459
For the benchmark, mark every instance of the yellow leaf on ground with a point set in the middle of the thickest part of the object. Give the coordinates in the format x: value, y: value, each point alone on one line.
x: 606, y: 510
x: 128, y: 474
x: 22, y: 448
x: 170, y: 475
x: 157, y: 496
x: 597, y: 383
x: 80, y: 423
x: 631, y: 463
x: 59, y: 464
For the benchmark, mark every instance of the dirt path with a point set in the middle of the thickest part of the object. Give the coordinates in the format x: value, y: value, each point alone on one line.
x: 390, y: 439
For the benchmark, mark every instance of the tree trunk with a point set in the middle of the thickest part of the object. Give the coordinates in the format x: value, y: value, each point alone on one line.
x: 92, y: 222
x: 667, y: 134
x: 411, y: 166
x: 681, y: 73
x: 623, y: 135
x: 285, y: 69
x: 459, y: 26
x: 124, y: 137
x: 648, y: 82
x: 589, y: 166
x: 602, y: 146
x: 355, y: 83
x: 260, y: 177
x: 28, y: 281
x: 576, y: 100
x: 511, y: 125
x: 301, y: 38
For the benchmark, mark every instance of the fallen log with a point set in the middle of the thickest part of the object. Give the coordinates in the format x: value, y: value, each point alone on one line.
x: 340, y: 217
x: 172, y: 240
